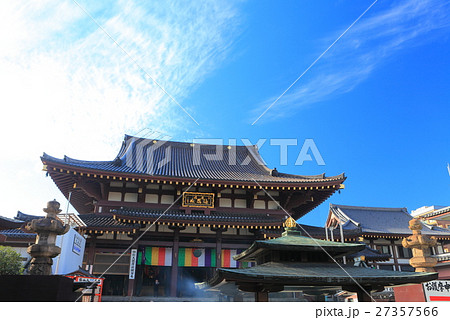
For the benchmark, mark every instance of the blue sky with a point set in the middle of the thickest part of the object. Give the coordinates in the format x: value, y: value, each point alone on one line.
x: 376, y: 104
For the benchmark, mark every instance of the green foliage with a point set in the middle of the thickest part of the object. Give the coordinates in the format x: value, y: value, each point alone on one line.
x: 10, y: 261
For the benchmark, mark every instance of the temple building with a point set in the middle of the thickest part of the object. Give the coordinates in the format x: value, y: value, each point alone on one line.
x: 381, y: 229
x: 185, y: 209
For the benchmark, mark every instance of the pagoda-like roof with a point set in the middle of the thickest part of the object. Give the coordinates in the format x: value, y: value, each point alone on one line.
x: 380, y: 221
x: 156, y: 158
x: 317, y: 274
x: 291, y: 240
x: 279, y: 267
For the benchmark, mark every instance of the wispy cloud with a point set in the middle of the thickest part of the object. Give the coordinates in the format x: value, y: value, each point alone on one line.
x: 380, y: 35
x: 66, y: 88
x: 61, y: 73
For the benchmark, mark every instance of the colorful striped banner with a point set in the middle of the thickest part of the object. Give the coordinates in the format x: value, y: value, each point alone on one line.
x: 196, y: 257
x: 155, y: 256
x: 229, y: 262
x: 227, y: 258
x: 190, y: 257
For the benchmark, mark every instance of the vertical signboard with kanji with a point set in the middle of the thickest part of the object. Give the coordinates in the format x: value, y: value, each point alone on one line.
x: 133, y: 263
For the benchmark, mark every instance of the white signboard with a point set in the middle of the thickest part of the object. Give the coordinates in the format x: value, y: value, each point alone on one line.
x: 72, y: 250
x: 133, y: 259
x: 437, y: 290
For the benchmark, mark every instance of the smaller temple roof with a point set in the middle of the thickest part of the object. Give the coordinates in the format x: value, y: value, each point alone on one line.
x: 319, y: 274
x: 437, y: 213
x: 370, y: 255
x: 17, y: 234
x: 383, y: 221
x: 291, y: 240
x: 10, y: 223
x: 10, y: 227
x: 26, y: 217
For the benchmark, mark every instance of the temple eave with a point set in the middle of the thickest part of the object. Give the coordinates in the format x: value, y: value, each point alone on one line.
x: 298, y: 274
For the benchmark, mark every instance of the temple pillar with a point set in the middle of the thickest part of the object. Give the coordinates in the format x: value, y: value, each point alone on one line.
x: 91, y: 254
x: 174, y: 271
x: 218, y: 248
x: 364, y: 295
x: 261, y: 296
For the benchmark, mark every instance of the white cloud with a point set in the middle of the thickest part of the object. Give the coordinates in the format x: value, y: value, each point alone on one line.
x: 378, y: 36
x: 67, y: 88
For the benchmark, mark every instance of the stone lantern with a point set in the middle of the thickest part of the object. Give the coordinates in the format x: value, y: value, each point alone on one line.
x: 420, y: 245
x: 45, y: 249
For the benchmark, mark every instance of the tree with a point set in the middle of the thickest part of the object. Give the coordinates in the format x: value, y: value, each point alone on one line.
x: 10, y: 261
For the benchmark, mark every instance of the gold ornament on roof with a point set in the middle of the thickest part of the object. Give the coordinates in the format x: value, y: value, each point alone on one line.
x: 290, y: 223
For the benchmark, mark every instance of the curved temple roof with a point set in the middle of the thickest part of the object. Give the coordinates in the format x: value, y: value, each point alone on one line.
x: 198, y: 217
x: 372, y: 220
x: 317, y: 274
x: 293, y: 241
x: 187, y: 160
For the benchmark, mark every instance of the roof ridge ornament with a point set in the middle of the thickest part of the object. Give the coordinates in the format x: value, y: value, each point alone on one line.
x: 290, y: 223
x: 291, y: 228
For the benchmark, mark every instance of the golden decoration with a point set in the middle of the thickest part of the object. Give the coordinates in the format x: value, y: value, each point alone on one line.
x: 290, y: 223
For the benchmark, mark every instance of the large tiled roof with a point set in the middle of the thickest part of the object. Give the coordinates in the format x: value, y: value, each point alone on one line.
x: 374, y: 220
x: 186, y: 160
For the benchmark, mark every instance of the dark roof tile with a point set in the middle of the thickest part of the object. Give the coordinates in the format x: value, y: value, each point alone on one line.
x: 381, y: 220
x: 185, y: 160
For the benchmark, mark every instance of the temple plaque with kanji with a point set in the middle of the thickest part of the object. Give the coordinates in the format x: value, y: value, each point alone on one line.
x: 198, y: 200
